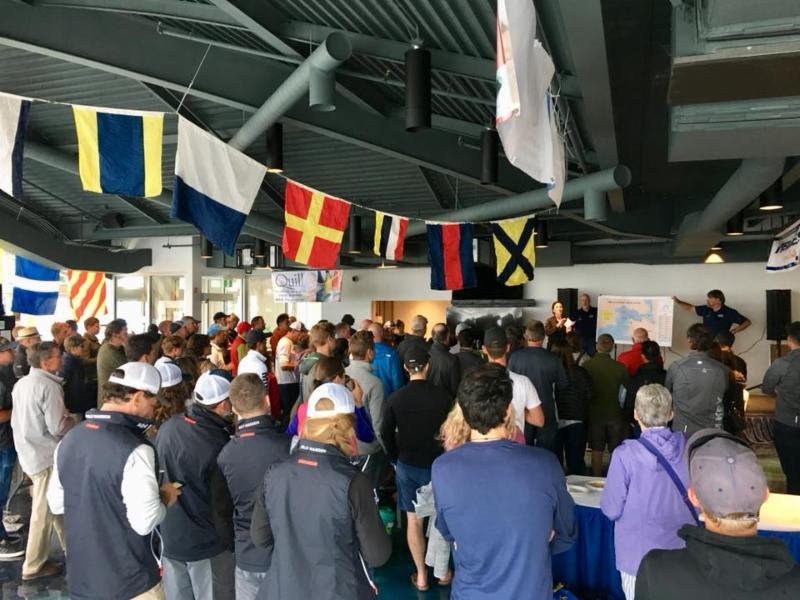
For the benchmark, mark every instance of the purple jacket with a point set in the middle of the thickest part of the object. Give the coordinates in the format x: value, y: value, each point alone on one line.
x: 642, y: 500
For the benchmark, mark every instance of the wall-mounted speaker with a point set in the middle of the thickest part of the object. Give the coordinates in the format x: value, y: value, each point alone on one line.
x: 569, y: 298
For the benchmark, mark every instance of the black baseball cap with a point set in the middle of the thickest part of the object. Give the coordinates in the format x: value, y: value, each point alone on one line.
x: 254, y: 336
x: 417, y: 358
x: 7, y: 345
x: 495, y: 338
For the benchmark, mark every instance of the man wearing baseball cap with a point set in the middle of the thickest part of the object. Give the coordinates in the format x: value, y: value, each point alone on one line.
x: 105, y: 483
x: 198, y: 531
x: 288, y: 386
x: 726, y: 559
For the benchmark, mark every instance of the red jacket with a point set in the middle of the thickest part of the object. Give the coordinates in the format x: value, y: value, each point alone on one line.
x: 235, y: 354
x: 632, y: 359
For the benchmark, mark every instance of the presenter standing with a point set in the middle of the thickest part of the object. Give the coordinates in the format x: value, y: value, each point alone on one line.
x: 716, y: 315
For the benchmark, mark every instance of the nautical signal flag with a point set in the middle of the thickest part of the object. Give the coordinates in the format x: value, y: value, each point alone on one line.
x: 119, y: 152
x: 315, y: 225
x: 215, y: 185
x: 35, y: 288
x: 450, y: 255
x: 514, y: 250
x: 13, y: 119
x: 87, y: 294
x: 390, y: 236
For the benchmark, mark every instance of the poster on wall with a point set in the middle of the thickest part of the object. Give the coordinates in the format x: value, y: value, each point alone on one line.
x: 620, y: 315
x: 307, y: 286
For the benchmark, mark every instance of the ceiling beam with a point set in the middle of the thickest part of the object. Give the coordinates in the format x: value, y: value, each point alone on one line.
x: 134, y: 49
x: 168, y: 9
x: 254, y: 14
x: 440, y: 188
x: 392, y: 50
x: 583, y: 23
x: 143, y: 208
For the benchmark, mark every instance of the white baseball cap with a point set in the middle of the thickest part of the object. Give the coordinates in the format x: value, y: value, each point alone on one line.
x: 139, y: 376
x: 297, y: 326
x: 342, y: 398
x: 211, y: 389
x: 170, y: 373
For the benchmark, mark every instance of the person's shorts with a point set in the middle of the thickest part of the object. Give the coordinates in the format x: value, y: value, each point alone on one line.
x: 601, y: 434
x: 409, y: 479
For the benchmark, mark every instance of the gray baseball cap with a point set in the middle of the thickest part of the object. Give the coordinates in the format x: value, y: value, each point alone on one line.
x: 725, y: 474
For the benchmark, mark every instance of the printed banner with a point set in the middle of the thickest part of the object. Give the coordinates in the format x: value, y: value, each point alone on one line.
x: 620, y: 315
x: 307, y: 286
x: 785, y: 253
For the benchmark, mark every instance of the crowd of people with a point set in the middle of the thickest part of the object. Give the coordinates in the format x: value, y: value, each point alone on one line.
x: 246, y: 463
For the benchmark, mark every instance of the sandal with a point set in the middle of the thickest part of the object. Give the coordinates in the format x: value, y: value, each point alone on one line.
x: 416, y: 587
x: 446, y: 581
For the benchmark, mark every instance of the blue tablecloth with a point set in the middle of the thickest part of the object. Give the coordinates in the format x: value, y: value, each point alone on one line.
x: 589, y: 567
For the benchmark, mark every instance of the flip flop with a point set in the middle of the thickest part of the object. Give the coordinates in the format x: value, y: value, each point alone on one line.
x: 445, y: 582
x: 416, y: 587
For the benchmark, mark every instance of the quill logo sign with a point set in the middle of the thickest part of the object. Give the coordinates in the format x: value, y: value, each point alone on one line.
x: 307, y: 286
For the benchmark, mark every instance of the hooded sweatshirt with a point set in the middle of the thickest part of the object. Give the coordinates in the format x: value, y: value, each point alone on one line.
x: 719, y: 566
x: 642, y: 500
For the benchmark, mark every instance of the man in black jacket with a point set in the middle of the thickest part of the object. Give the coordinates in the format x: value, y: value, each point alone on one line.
x: 727, y: 559
x: 258, y: 443
x: 547, y: 375
x: 198, y: 530
x: 444, y: 370
x: 415, y: 338
x: 650, y: 372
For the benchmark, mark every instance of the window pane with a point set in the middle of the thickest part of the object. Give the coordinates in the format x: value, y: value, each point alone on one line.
x: 260, y: 301
x: 166, y: 298
x: 131, y: 300
x: 220, y: 295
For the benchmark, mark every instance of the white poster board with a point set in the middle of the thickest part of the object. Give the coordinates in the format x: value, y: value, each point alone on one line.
x: 307, y: 286
x: 620, y: 315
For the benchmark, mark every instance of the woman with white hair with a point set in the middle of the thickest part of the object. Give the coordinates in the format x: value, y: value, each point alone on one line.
x: 645, y: 493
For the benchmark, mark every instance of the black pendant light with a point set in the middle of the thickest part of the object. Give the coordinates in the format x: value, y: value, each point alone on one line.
x: 206, y: 248
x: 260, y: 249
x: 274, y: 137
x: 735, y: 225
x: 418, y: 89
x: 276, y: 258
x: 770, y: 198
x: 542, y: 234
x: 489, y: 144
x: 354, y: 235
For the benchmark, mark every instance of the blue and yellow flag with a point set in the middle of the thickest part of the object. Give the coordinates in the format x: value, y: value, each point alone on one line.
x: 514, y: 250
x: 119, y: 152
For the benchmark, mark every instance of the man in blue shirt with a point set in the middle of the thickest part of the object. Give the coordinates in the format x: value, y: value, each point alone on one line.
x: 585, y: 327
x: 716, y: 315
x: 386, y: 365
x: 504, y: 504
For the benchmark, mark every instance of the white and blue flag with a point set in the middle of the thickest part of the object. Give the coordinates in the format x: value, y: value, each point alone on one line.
x: 215, y: 185
x: 35, y: 288
x: 13, y: 118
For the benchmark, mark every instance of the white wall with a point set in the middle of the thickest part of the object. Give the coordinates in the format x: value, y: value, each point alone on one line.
x: 744, y: 285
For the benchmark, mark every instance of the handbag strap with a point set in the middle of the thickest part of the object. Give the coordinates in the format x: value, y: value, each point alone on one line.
x: 672, y: 475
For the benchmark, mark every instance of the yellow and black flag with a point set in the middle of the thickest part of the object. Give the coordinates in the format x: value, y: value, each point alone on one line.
x: 514, y: 250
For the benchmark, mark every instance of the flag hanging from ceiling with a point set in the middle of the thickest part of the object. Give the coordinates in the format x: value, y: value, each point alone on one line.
x: 525, y: 115
x: 785, y: 253
x: 315, y: 225
x: 119, y: 152
x: 514, y: 250
x: 215, y: 185
x: 450, y: 256
x: 13, y: 119
x: 390, y: 236
x: 87, y: 294
x: 35, y: 288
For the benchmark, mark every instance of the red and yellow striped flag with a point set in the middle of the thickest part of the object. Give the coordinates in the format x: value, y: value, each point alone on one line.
x: 87, y: 294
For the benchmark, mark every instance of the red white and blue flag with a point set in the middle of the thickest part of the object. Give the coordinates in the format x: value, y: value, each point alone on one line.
x: 13, y: 119
x: 450, y: 255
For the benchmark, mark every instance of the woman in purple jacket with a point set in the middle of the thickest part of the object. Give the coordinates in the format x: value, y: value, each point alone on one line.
x: 640, y: 496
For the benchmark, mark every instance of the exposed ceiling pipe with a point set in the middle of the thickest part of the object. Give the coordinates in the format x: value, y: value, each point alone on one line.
x: 257, y: 225
x: 701, y: 230
x: 330, y: 54
x: 574, y: 189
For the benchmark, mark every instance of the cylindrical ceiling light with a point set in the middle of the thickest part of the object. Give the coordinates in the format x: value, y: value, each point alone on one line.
x: 322, y: 90
x: 275, y: 148
x: 260, y: 249
x: 489, y: 144
x: 595, y: 205
x: 276, y: 259
x: 770, y: 198
x: 418, y: 89
x: 542, y: 234
x: 206, y: 248
x: 354, y: 235
x: 261, y: 262
x: 735, y: 225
